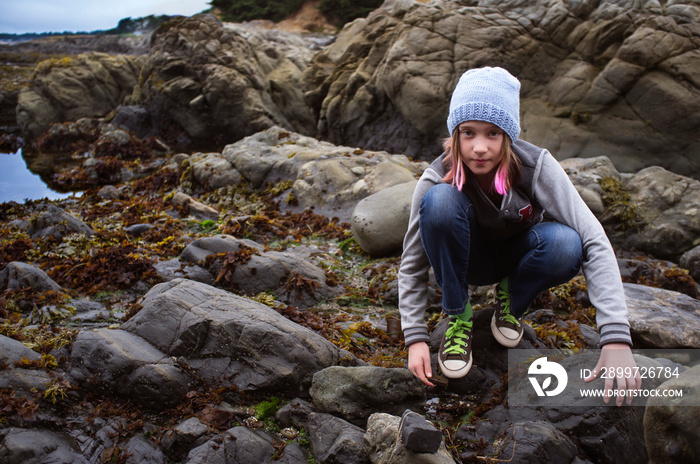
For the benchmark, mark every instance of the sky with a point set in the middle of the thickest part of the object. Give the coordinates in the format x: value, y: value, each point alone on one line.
x: 20, y: 16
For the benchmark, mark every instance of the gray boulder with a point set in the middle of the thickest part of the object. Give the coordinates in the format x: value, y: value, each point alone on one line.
x: 335, y: 441
x: 212, y: 83
x: 355, y: 393
x: 328, y: 178
x: 18, y: 275
x: 613, y: 78
x: 379, y: 222
x: 671, y: 429
x: 663, y: 318
x: 122, y: 363
x: 229, y: 339
x: 12, y: 351
x: 691, y: 260
x: 67, y: 89
x: 243, y: 266
x: 41, y: 446
x: 384, y: 445
x: 57, y: 223
x: 244, y: 446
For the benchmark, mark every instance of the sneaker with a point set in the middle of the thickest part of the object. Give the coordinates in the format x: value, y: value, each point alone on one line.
x: 455, y: 355
x: 506, y: 328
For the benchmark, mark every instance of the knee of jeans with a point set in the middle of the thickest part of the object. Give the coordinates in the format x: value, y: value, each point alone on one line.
x: 444, y: 204
x: 563, y: 247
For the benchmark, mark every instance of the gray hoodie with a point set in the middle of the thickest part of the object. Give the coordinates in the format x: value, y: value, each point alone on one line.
x: 544, y: 187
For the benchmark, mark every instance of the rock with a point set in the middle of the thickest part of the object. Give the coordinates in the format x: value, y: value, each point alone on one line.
x: 12, y: 351
x: 109, y: 192
x: 662, y: 318
x: 294, y: 414
x: 24, y: 382
x: 230, y: 340
x: 595, y: 77
x: 335, y: 441
x: 138, y: 230
x: 668, y: 207
x: 211, y: 171
x: 379, y: 222
x: 354, y: 393
x: 57, y: 223
x: 18, y: 275
x: 24, y: 446
x: 134, y: 119
x: 536, y: 441
x: 326, y: 178
x: 177, y: 269
x: 419, y: 435
x: 249, y: 270
x: 690, y: 260
x: 207, y: 84
x: 671, y: 430
x: 198, y: 251
x: 140, y: 451
x: 125, y: 364
x: 70, y: 88
x: 385, y: 447
x: 194, y: 208
x: 183, y: 436
x: 243, y: 446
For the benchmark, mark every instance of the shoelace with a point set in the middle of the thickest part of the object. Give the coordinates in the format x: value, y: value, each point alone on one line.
x: 456, y: 336
x: 505, y: 315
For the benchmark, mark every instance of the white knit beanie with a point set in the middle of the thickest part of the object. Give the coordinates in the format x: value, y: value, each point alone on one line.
x: 487, y: 94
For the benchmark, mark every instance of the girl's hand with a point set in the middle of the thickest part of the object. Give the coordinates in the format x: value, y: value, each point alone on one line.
x: 419, y: 362
x: 617, y: 360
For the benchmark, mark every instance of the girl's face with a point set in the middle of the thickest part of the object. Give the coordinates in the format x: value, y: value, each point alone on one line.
x: 480, y: 145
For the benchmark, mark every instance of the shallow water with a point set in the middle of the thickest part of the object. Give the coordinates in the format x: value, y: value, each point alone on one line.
x: 18, y: 183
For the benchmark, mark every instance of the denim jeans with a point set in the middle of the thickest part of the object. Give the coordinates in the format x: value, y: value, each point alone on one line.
x: 546, y: 255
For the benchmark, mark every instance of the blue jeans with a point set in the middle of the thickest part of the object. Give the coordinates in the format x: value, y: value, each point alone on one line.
x: 546, y: 255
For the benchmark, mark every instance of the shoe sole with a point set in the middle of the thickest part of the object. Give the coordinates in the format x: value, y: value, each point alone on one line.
x: 458, y: 373
x: 500, y: 338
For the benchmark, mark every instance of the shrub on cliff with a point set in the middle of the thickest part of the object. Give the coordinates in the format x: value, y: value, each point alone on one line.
x: 344, y: 11
x: 246, y: 10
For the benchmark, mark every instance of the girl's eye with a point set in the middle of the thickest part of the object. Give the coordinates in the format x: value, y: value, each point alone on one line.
x: 495, y: 133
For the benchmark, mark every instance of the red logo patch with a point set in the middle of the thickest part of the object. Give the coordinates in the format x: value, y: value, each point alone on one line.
x: 526, y: 213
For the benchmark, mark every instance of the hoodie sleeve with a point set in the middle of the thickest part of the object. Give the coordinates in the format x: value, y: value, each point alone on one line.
x: 414, y: 269
x: 556, y: 193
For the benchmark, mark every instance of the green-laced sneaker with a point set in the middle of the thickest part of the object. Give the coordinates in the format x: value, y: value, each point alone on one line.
x: 455, y: 356
x: 506, y: 328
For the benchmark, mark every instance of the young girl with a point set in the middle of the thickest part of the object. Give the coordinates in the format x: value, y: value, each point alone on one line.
x: 477, y: 218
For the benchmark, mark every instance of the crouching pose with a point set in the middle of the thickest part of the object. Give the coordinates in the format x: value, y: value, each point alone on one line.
x: 477, y: 219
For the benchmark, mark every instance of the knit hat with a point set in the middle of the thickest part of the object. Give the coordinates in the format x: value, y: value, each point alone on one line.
x: 487, y: 94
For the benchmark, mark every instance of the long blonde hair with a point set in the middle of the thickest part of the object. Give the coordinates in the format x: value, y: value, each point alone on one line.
x: 507, y: 173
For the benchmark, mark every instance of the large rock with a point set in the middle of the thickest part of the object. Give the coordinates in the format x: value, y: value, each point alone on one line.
x: 207, y: 84
x: 671, y: 427
x: 328, y: 178
x: 116, y: 361
x: 379, y: 222
x: 31, y: 445
x: 230, y: 340
x: 668, y: 207
x: 17, y: 275
x: 245, y: 267
x: 67, y: 89
x: 613, y: 78
x: 57, y: 223
x: 383, y: 442
x: 355, y: 393
x: 663, y: 318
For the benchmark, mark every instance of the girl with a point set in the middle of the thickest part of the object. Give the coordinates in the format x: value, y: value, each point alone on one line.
x: 476, y: 218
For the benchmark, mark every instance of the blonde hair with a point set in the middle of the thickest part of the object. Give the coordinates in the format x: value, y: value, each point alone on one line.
x: 507, y: 173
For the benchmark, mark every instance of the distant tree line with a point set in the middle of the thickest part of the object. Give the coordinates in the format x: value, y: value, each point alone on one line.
x: 340, y: 11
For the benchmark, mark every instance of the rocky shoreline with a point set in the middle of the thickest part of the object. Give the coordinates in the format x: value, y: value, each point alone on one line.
x: 237, y: 301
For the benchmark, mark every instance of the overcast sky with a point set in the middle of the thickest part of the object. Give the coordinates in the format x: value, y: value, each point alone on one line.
x: 18, y: 16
